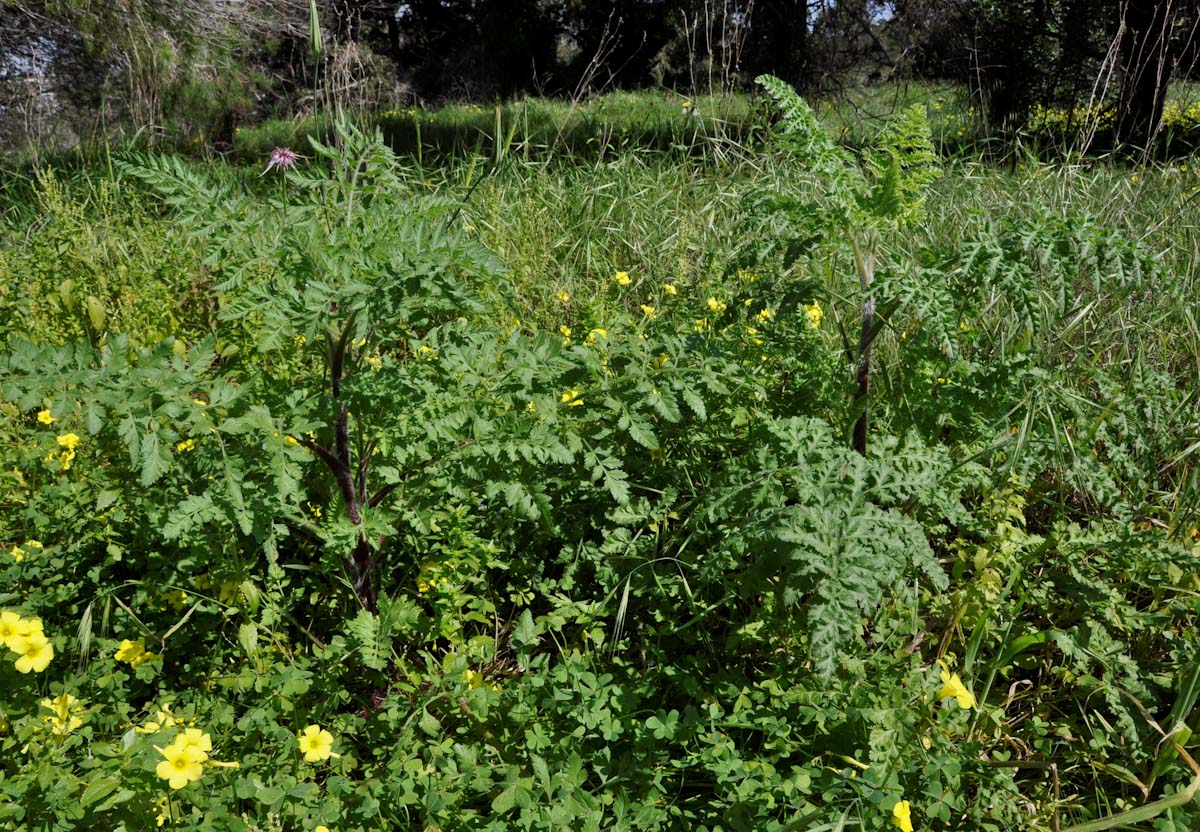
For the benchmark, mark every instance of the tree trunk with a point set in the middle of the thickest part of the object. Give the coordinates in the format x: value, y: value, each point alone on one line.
x: 1146, y: 64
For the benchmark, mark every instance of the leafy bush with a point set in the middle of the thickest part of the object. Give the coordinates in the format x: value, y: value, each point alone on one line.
x: 376, y: 554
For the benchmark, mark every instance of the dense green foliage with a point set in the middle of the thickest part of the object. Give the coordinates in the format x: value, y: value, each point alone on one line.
x: 532, y: 484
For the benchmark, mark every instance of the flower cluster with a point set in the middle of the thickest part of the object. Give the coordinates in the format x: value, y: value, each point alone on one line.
x: 185, y: 758
x: 430, y: 575
x: 66, y: 713
x: 25, y: 638
x: 68, y: 442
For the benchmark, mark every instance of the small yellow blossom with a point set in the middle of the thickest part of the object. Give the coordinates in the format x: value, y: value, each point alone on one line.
x: 473, y: 678
x: 196, y: 739
x: 565, y: 331
x: 531, y: 408
x: 45, y: 417
x: 902, y: 816
x: 815, y: 313
x: 953, y: 688
x: 316, y: 744
x: 186, y: 445
x: 291, y: 441
x: 649, y: 311
x: 181, y: 764
x: 65, y: 714
x: 33, y: 650
x: 563, y: 296
x: 199, y: 402
x: 321, y: 828
x: 571, y: 398
x: 134, y: 653
x: 160, y: 721
x: 18, y: 553
x: 669, y: 289
x: 623, y: 279
x: 374, y: 362
x: 70, y: 441
x: 598, y: 332
x: 11, y: 626
x: 717, y: 306
x: 700, y: 325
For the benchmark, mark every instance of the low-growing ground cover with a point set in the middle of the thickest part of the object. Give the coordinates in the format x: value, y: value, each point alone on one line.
x: 521, y: 494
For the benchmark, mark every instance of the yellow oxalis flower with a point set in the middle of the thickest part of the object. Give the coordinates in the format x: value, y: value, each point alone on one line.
x: 669, y: 289
x: 473, y: 678
x: 717, y: 306
x: 765, y: 314
x: 186, y: 445
x: 181, y: 764
x: 571, y: 398
x: 163, y: 718
x: 321, y: 828
x: 815, y: 313
x: 623, y: 279
x: 563, y: 296
x: 316, y: 744
x: 902, y: 816
x: 598, y: 332
x: 649, y: 311
x: 953, y: 688
x: 70, y: 441
x: 134, y: 653
x: 11, y: 626
x: 45, y: 417
x: 197, y: 739
x: 64, y: 716
x: 565, y: 331
x: 18, y: 553
x: 33, y: 650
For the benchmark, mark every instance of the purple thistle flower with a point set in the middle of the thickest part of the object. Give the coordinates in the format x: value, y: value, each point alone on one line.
x: 283, y: 159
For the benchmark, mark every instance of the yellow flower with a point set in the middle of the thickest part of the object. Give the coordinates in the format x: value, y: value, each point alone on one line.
x: 571, y: 398
x: 162, y: 719
x: 902, y: 816
x: 181, y: 764
x: 45, y: 417
x: 565, y: 331
x: 669, y: 289
x: 134, y: 653
x: 33, y: 650
x: 196, y: 739
x: 649, y: 311
x: 375, y: 362
x: 563, y: 296
x: 598, y: 332
x: 11, y: 626
x: 316, y: 744
x: 185, y: 445
x: 623, y: 279
x: 162, y: 807
x: 64, y: 716
x: 18, y: 553
x: 473, y: 678
x: 321, y: 828
x: 199, y: 402
x: 815, y: 313
x: 700, y: 325
x: 717, y: 306
x: 531, y: 408
x: 70, y: 441
x: 953, y: 688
